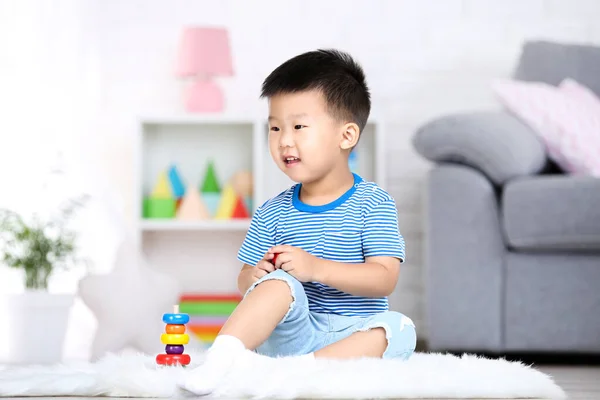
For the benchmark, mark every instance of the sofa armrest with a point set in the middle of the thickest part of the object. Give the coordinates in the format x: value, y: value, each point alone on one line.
x: 465, y: 251
x: 496, y: 143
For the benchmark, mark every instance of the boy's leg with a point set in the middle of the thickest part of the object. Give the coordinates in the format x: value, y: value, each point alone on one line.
x: 388, y: 335
x: 268, y: 303
x: 371, y: 343
x: 258, y: 314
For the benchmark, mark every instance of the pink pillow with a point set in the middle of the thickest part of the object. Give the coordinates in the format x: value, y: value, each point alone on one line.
x: 566, y: 118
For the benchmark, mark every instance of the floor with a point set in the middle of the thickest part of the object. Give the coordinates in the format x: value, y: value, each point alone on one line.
x: 580, y: 382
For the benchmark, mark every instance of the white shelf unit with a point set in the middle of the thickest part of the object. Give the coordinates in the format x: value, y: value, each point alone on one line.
x: 203, y: 254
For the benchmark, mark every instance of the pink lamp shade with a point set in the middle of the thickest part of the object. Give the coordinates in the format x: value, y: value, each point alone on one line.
x: 204, y: 51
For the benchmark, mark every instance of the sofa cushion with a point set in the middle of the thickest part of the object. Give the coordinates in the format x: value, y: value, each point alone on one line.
x: 552, y: 213
x: 496, y: 143
x: 566, y: 118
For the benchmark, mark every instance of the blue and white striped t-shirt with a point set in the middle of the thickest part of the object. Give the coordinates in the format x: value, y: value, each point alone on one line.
x: 363, y: 222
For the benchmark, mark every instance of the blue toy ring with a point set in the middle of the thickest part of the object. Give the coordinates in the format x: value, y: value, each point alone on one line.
x: 176, y: 319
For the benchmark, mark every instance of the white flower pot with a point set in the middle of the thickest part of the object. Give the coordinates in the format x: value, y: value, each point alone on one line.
x: 36, y: 326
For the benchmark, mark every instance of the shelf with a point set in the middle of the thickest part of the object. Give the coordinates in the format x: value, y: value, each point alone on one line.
x: 209, y: 225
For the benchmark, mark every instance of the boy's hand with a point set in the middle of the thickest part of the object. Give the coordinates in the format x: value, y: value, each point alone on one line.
x: 266, y: 264
x: 295, y: 261
x: 249, y: 275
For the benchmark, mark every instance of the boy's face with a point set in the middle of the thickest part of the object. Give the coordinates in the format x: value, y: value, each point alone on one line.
x: 304, y: 139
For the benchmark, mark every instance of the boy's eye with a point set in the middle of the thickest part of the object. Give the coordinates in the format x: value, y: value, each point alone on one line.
x: 274, y: 128
x: 298, y: 126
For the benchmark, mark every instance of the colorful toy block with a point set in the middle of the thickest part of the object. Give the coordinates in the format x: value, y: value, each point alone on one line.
x: 210, y: 183
x: 240, y: 211
x: 162, y: 188
x: 227, y: 203
x: 211, y: 191
x: 242, y: 183
x: 177, y: 186
x: 156, y: 207
x: 192, y: 207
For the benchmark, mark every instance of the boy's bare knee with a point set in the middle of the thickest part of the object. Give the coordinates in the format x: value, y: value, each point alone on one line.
x: 377, y: 338
x: 276, y: 286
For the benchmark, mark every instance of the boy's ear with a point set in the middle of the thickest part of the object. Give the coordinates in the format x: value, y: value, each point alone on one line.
x: 350, y: 135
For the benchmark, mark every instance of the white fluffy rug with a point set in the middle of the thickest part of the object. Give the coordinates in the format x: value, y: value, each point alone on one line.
x: 423, y: 376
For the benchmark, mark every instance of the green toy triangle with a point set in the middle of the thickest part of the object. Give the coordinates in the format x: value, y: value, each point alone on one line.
x: 210, y: 184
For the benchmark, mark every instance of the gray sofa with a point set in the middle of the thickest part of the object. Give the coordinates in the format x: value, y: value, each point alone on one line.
x: 512, y: 243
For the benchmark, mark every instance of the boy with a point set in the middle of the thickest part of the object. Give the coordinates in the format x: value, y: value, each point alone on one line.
x: 321, y: 257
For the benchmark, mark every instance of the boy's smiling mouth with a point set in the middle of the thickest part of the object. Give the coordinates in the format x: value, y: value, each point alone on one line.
x: 290, y: 160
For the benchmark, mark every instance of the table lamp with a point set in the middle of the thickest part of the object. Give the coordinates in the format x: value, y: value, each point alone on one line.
x: 203, y: 54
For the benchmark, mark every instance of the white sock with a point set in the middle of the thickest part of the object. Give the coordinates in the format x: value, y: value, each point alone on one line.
x: 205, y: 378
x: 231, y: 343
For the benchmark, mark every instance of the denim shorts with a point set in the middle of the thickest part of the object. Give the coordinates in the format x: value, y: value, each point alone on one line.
x: 302, y: 331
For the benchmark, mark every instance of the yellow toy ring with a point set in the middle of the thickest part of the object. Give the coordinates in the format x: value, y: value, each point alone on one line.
x: 174, y: 338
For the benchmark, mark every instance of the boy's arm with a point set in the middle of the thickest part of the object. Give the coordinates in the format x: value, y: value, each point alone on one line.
x: 250, y: 274
x: 252, y: 252
x: 376, y: 277
x: 384, y: 251
x: 245, y: 278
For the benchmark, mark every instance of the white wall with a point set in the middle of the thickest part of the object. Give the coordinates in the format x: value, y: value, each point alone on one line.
x: 422, y: 59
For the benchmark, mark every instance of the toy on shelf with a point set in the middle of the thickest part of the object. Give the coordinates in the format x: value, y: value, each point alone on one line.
x: 192, y: 207
x: 240, y: 210
x: 177, y: 186
x: 159, y: 208
x: 162, y: 188
x: 174, y: 339
x: 208, y: 313
x: 166, y: 195
x: 232, y: 204
x: 171, y: 199
x: 227, y: 203
x: 161, y: 203
x: 242, y: 183
x: 244, y: 186
x: 210, y: 189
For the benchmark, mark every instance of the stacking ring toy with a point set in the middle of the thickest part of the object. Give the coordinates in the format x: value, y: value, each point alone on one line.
x: 173, y: 338
x: 176, y: 319
x: 177, y: 329
x: 174, y: 349
x: 173, y: 359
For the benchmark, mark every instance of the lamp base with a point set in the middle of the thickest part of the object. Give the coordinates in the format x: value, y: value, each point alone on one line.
x: 204, y: 96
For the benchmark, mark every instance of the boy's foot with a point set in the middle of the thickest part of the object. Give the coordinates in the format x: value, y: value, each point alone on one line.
x: 221, y: 356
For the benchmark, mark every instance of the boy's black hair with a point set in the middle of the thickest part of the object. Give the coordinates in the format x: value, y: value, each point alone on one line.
x: 333, y: 72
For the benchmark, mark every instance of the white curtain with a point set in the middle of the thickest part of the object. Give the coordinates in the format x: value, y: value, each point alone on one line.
x: 50, y: 105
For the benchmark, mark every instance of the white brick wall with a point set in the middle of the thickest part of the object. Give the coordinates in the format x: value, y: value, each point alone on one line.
x: 423, y: 58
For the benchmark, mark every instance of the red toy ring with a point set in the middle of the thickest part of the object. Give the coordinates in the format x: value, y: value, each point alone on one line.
x: 173, y: 359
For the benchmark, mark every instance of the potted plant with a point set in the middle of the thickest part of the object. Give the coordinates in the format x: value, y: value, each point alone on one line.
x: 37, y: 319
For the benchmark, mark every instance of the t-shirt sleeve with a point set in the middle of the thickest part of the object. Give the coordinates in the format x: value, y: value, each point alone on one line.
x: 381, y: 234
x: 257, y: 241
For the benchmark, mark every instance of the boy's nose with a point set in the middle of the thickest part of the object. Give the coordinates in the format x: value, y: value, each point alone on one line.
x: 286, y: 139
